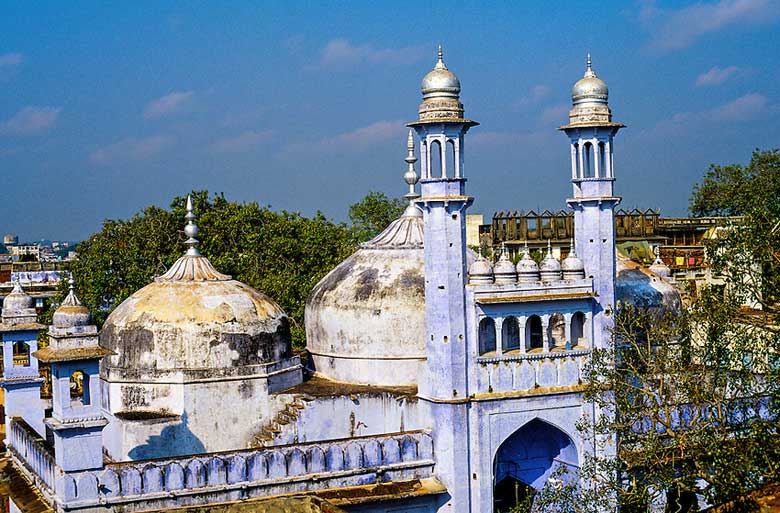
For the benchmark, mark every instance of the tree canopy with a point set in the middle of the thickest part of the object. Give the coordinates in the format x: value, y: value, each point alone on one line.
x: 692, y: 398
x: 281, y: 254
x: 373, y: 213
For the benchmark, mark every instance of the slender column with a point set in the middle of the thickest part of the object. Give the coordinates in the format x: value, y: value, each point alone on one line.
x: 456, y: 160
x: 608, y: 158
x: 425, y: 161
x: 521, y: 321
x: 596, y: 159
x: 546, y: 333
x: 588, y: 330
x: 499, y: 322
x: 567, y: 329
x: 443, y: 155
x: 573, y: 161
x: 581, y: 150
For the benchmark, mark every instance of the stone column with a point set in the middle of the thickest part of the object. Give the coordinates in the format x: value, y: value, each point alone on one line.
x: 582, y: 159
x: 596, y: 163
x: 546, y: 333
x: 499, y: 323
x: 567, y: 330
x: 521, y: 322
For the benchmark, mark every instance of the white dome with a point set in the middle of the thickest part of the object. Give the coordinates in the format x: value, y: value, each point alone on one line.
x: 365, y: 320
x: 481, y: 271
x: 504, y: 270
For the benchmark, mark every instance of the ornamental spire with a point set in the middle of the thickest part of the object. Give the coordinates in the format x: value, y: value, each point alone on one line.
x: 191, y: 230
x: 410, y: 177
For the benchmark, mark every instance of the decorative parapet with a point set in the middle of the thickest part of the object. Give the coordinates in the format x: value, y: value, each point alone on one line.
x: 239, y: 475
x: 34, y: 455
x: 531, y: 372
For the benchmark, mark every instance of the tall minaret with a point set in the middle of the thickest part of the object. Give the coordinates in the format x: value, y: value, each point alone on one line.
x: 441, y: 128
x: 591, y: 132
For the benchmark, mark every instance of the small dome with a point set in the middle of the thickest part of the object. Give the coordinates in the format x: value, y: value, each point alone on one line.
x: 573, y: 268
x: 440, y: 82
x: 71, y: 312
x: 527, y: 268
x: 504, y: 270
x: 441, y: 93
x: 481, y: 271
x: 550, y: 269
x: 17, y: 301
x: 660, y: 268
x: 643, y: 288
x: 590, y: 97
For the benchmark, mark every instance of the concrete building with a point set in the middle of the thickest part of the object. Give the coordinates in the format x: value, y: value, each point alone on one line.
x: 442, y: 382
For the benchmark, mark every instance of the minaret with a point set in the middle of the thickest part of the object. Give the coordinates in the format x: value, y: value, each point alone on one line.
x: 441, y: 128
x: 21, y: 381
x: 77, y: 420
x: 591, y: 132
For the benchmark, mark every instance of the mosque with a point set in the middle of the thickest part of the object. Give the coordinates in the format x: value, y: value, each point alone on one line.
x: 438, y: 381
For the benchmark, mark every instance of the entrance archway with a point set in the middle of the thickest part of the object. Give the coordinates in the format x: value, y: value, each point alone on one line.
x: 527, y: 459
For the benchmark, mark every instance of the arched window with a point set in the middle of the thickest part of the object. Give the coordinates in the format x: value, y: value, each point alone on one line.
x: 557, y: 331
x: 435, y: 159
x: 451, y: 169
x: 21, y: 354
x: 577, y: 168
x: 587, y: 160
x: 487, y: 335
x: 533, y: 333
x: 578, y: 329
x: 510, y: 334
x: 79, y: 387
x: 603, y: 160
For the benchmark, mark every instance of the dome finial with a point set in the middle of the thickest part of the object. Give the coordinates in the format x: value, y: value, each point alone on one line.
x: 410, y: 177
x: 588, y: 68
x: 71, y: 283
x: 440, y: 59
x: 191, y: 230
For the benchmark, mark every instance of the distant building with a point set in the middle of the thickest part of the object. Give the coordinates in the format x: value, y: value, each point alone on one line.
x: 10, y: 239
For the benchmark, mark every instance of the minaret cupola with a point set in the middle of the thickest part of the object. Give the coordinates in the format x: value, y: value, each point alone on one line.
x: 590, y: 97
x: 441, y: 93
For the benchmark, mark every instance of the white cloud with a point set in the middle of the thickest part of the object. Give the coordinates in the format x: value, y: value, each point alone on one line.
x: 130, y: 149
x: 30, y: 120
x: 355, y: 141
x: 340, y: 53
x: 674, y: 29
x: 243, y: 141
x: 716, y: 76
x: 745, y: 108
x: 534, y: 96
x: 9, y: 60
x: 557, y: 114
x: 167, y: 104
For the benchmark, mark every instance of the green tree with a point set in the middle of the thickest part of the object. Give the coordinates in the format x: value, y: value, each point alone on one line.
x: 693, y: 398
x: 373, y: 214
x: 282, y: 254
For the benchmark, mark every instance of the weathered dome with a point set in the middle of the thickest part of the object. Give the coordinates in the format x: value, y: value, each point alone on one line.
x: 17, y: 301
x: 660, y: 268
x: 481, y: 271
x: 71, y: 312
x: 641, y: 287
x: 194, y: 318
x: 365, y: 320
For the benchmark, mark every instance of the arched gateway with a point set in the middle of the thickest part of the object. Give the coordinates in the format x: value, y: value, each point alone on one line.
x: 527, y: 459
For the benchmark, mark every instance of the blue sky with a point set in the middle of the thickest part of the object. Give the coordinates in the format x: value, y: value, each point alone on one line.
x: 107, y: 107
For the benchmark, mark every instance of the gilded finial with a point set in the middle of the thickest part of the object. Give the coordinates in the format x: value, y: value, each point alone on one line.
x: 440, y: 60
x: 191, y: 230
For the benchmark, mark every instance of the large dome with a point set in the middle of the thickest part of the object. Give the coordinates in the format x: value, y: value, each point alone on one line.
x: 365, y: 320
x: 194, y: 318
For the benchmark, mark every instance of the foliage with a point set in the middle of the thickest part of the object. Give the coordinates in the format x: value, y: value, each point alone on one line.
x: 693, y: 399
x: 282, y: 254
x: 373, y: 214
